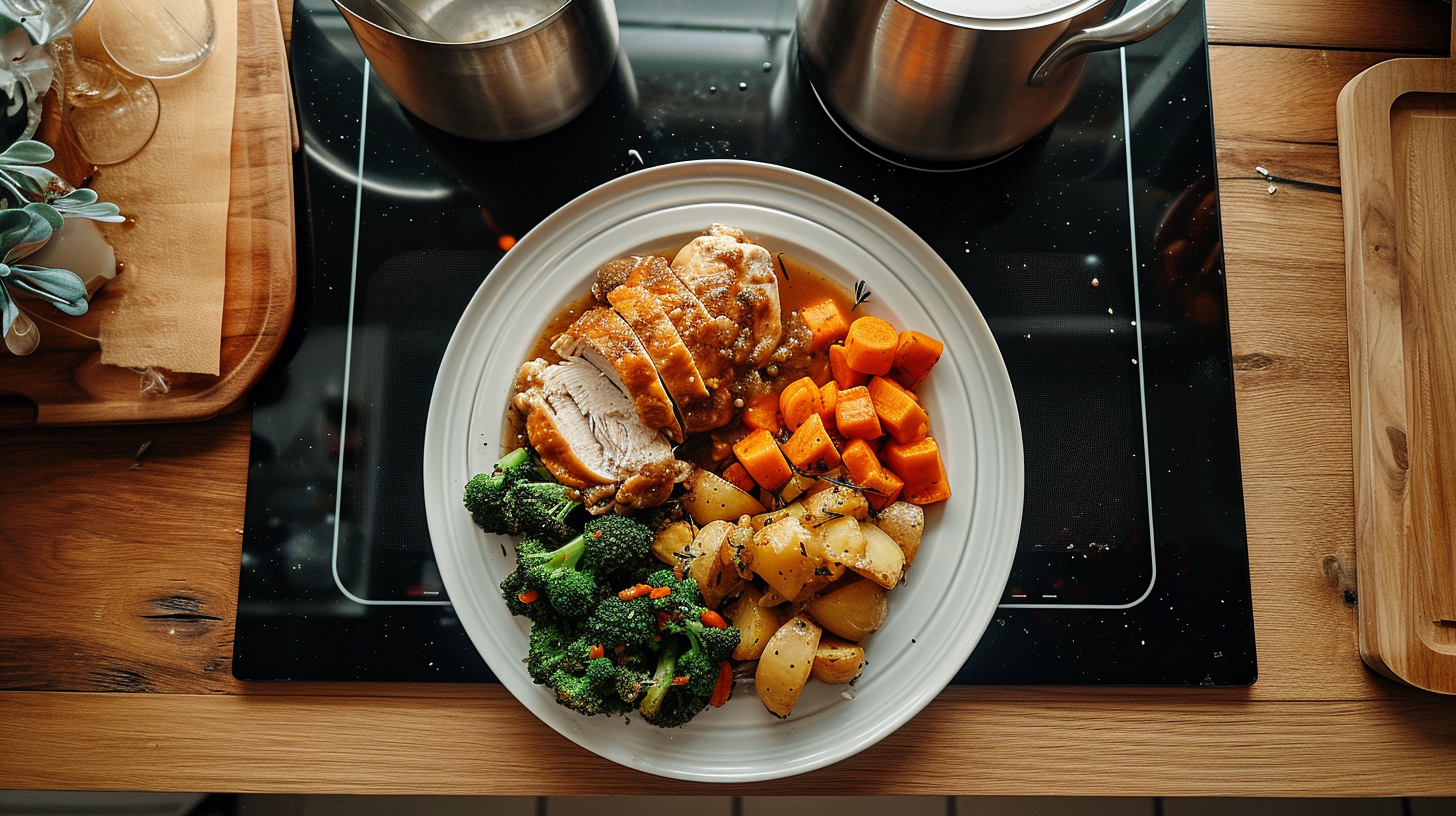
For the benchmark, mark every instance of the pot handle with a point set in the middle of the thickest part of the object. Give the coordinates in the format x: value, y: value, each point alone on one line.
x: 1138, y: 24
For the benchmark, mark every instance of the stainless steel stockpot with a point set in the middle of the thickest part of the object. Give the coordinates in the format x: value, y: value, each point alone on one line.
x: 495, y: 87
x: 960, y: 80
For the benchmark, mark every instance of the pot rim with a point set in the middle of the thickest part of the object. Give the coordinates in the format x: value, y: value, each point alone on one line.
x: 946, y: 11
x: 344, y: 6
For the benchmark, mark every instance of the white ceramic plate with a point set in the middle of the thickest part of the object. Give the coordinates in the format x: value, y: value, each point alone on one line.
x: 935, y: 619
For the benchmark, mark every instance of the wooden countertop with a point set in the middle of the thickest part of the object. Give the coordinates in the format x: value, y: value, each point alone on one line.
x: 119, y: 571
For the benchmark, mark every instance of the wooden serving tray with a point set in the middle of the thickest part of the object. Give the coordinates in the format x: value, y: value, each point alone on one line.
x: 64, y: 383
x: 1397, y: 133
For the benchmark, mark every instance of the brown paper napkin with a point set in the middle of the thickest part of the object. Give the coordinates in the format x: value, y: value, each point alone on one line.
x: 165, y: 310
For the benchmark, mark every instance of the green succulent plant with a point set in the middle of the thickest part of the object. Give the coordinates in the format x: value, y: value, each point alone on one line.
x: 22, y: 231
x: 34, y: 203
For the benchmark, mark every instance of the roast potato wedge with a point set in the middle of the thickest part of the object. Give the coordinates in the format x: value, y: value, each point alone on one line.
x: 836, y: 501
x: 784, y: 666
x: 780, y: 556
x: 710, y: 497
x: 905, y: 523
x: 837, y: 661
x: 851, y: 611
x: 756, y: 623
x: 673, y: 544
x: 716, y: 579
x: 883, y: 561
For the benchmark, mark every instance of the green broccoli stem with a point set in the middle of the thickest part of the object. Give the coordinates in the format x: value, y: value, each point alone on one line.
x: 661, y: 679
x: 519, y: 456
x: 564, y: 558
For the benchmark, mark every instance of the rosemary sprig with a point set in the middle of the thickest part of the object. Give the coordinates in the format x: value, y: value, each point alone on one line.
x: 861, y: 295
x: 782, y: 269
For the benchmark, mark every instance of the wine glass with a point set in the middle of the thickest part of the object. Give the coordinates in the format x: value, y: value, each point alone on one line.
x: 112, y: 114
x: 159, y: 39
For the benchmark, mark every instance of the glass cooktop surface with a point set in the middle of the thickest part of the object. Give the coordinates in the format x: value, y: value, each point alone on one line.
x: 1094, y: 252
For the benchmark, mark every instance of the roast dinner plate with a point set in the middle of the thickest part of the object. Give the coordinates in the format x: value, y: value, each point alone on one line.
x: 951, y: 592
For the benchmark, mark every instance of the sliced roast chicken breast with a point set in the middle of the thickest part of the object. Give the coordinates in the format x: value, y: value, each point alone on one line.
x: 647, y: 319
x: 559, y: 432
x: 588, y: 434
x: 603, y: 338
x: 709, y: 338
x: 734, y: 279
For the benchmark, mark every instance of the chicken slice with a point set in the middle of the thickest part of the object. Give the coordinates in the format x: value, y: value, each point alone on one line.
x: 675, y: 366
x: 588, y: 434
x: 708, y: 338
x: 734, y: 278
x: 627, y: 443
x: 561, y: 433
x: 603, y: 338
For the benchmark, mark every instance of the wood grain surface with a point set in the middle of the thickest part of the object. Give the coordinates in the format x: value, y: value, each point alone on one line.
x: 102, y: 551
x: 1397, y: 124
x: 65, y: 383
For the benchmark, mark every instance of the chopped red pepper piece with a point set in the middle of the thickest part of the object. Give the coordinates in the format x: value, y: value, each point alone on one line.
x: 713, y: 619
x: 634, y: 592
x: 724, y: 689
x: 595, y: 652
x: 680, y: 680
x: 528, y: 597
x: 660, y: 592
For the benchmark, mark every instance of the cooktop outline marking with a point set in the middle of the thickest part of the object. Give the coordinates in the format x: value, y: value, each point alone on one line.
x: 348, y: 356
x: 1137, y: 310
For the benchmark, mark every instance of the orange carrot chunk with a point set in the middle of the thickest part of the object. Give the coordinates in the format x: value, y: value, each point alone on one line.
x: 845, y: 376
x: 869, y: 347
x: 914, y: 356
x: 860, y: 460
x: 854, y: 414
x: 828, y: 395
x: 810, y: 448
x: 883, y: 488
x: 737, y: 476
x: 927, y: 492
x: 762, y: 412
x: 826, y: 323
x: 760, y: 455
x: 798, y: 401
x: 899, y: 415
x: 903, y: 390
x: 917, y: 461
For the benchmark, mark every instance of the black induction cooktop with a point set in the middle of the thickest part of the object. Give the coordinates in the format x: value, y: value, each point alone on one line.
x: 1094, y: 252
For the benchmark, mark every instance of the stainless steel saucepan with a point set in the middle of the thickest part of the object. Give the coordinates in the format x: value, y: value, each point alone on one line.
x: 511, y: 70
x: 960, y: 80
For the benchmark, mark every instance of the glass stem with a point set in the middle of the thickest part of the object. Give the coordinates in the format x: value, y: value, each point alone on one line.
x: 80, y: 84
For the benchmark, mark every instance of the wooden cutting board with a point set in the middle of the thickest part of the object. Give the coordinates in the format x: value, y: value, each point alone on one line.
x: 64, y: 383
x: 1397, y: 133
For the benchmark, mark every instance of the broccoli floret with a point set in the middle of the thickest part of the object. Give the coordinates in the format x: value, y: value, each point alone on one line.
x: 485, y: 493
x: 616, y: 547
x: 617, y: 622
x: 548, y: 649
x: 681, y: 686
x: 600, y: 687
x: 540, y: 508
x: 573, y: 594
